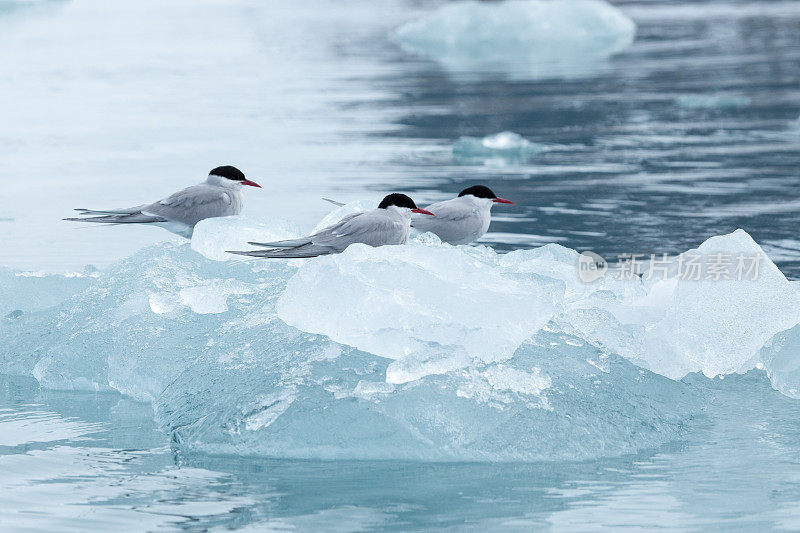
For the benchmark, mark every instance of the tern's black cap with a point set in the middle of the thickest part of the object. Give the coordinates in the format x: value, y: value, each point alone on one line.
x: 229, y: 172
x: 398, y: 200
x: 478, y: 191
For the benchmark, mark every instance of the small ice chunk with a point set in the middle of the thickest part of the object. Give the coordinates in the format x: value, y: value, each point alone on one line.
x: 401, y: 301
x: 426, y: 239
x: 369, y: 390
x: 213, y: 237
x: 165, y: 302
x: 522, y: 38
x: 212, y: 296
x: 505, y: 146
x: 781, y: 359
x: 432, y: 361
x: 203, y: 298
x: 677, y: 324
x: 267, y: 409
x: 500, y: 385
x: 551, y: 260
x: 712, y: 101
x: 715, y: 326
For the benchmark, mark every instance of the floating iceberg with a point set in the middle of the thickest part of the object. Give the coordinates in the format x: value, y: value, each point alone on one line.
x: 503, y: 147
x: 418, y: 352
x: 522, y: 38
x: 712, y: 101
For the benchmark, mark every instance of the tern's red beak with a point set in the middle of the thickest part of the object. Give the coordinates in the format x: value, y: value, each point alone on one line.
x: 422, y: 212
x: 501, y: 201
x: 251, y: 183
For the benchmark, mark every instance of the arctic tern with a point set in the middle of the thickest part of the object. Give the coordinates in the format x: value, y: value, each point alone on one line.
x: 462, y: 220
x: 219, y: 195
x: 389, y: 224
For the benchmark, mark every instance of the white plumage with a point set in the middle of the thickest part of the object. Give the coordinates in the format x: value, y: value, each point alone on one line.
x: 461, y: 220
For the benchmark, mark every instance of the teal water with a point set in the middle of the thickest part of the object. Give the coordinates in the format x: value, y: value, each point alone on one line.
x: 93, y: 462
x: 691, y: 131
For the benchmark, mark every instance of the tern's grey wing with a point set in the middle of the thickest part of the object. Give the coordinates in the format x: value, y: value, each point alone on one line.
x: 374, y: 228
x: 289, y: 243
x: 196, y: 203
x: 132, y: 218
x: 129, y: 215
x: 119, y: 211
x: 306, y: 250
x: 334, y: 202
x: 294, y: 243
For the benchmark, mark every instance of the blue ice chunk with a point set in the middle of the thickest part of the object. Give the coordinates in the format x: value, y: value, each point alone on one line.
x: 503, y: 147
x: 712, y: 101
x: 520, y: 38
x: 419, y: 352
x: 555, y: 398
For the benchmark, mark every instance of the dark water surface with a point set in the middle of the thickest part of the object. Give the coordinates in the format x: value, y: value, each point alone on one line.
x: 691, y: 132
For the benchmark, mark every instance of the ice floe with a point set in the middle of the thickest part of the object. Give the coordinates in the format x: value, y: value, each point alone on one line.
x: 419, y: 352
x: 503, y: 147
x: 521, y: 38
x: 712, y: 101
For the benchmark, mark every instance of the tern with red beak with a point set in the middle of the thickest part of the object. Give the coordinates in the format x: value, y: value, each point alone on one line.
x: 461, y: 220
x: 389, y: 224
x: 219, y: 196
